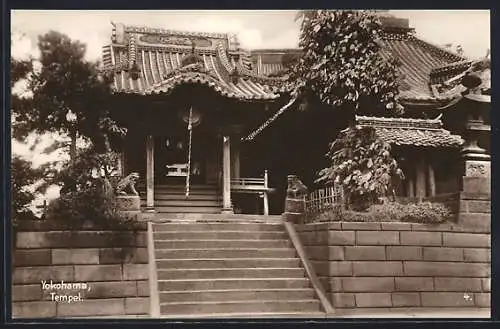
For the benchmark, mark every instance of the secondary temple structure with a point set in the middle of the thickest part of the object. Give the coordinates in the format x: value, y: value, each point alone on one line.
x: 213, y: 128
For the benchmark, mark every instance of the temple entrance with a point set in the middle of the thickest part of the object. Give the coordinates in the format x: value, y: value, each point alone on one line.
x: 172, y: 158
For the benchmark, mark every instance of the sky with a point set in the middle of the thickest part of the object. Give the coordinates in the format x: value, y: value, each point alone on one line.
x: 255, y: 29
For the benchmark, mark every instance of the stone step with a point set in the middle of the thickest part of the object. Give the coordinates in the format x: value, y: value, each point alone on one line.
x: 237, y: 218
x: 175, y: 190
x: 184, y: 203
x: 225, y: 253
x: 163, y: 194
x: 182, y: 196
x: 192, y: 209
x: 244, y: 316
x: 268, y: 306
x: 213, y: 235
x: 239, y: 283
x: 235, y: 273
x: 236, y: 295
x: 180, y: 186
x: 227, y: 263
x: 188, y: 227
x: 195, y: 244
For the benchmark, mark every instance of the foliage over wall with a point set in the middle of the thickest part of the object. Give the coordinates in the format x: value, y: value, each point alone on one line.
x: 362, y: 164
x: 425, y: 212
x: 87, y: 197
x: 87, y: 191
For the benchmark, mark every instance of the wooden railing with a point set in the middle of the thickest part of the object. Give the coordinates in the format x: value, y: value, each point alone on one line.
x: 258, y: 186
x: 324, y: 199
x: 248, y: 182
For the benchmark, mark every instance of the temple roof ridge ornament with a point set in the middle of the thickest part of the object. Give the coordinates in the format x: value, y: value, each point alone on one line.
x: 122, y: 28
x: 191, y: 58
x: 401, y: 122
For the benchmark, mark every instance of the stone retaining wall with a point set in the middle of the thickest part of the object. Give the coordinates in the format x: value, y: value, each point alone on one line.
x: 375, y: 265
x: 112, y: 265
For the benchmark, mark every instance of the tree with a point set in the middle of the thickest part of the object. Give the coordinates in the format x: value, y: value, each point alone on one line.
x: 341, y: 63
x: 362, y: 165
x: 69, y: 95
x: 23, y: 177
x: 343, y: 68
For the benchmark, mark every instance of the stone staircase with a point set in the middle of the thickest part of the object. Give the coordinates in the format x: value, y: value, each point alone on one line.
x: 241, y: 268
x: 172, y: 199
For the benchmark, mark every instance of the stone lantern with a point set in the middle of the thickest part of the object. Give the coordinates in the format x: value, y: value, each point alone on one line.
x: 476, y: 105
x: 474, y: 108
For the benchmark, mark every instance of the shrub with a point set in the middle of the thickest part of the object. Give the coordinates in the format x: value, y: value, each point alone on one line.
x: 87, y: 198
x: 362, y: 164
x: 425, y: 212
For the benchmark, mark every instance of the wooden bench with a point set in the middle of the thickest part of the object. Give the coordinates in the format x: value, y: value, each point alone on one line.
x: 255, y: 186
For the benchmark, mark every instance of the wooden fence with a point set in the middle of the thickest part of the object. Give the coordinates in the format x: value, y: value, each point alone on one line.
x: 324, y: 199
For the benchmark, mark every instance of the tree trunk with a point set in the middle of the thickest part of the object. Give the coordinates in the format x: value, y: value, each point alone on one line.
x: 72, y: 147
x: 351, y: 121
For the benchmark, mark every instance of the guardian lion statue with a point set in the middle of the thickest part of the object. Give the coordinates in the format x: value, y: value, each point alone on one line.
x: 295, y: 187
x: 126, y: 186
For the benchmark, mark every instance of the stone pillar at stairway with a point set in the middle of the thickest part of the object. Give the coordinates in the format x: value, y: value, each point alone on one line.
x: 226, y: 175
x: 150, y: 167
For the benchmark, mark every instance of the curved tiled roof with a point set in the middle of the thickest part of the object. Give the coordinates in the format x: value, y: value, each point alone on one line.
x: 157, y: 52
x: 157, y: 55
x: 418, y: 59
x: 411, y: 132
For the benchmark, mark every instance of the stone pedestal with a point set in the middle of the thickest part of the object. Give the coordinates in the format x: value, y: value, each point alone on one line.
x: 295, y: 202
x: 475, y: 198
x: 129, y: 205
x: 477, y: 179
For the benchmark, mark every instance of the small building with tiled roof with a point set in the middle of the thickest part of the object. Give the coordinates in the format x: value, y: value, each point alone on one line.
x: 411, y: 132
x: 423, y: 147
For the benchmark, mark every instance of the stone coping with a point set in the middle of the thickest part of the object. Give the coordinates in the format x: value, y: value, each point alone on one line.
x: 396, y: 312
x: 389, y: 226
x: 46, y: 225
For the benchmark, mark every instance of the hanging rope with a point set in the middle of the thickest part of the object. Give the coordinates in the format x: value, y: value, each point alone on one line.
x: 190, y: 129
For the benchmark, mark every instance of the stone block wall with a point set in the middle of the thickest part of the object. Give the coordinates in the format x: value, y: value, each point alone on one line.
x: 475, y: 210
x: 107, y: 271
x: 383, y: 265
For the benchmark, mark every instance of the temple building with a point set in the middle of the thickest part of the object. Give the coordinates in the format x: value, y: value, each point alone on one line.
x: 212, y: 127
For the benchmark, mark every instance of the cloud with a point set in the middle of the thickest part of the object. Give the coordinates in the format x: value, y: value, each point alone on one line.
x: 22, y: 47
x: 469, y: 28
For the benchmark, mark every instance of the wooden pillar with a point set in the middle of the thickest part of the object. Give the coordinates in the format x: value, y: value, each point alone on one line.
x: 421, y: 189
x: 226, y: 175
x: 266, y: 199
x: 410, y: 187
x: 410, y: 180
x: 150, y: 167
x: 431, y: 181
x: 235, y: 158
